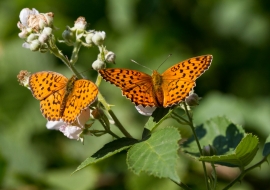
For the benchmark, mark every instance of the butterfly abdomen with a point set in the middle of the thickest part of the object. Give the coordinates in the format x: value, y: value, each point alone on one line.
x: 157, y: 88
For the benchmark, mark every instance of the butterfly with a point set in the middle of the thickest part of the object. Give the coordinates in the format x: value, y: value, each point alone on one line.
x: 60, y: 97
x: 159, y: 90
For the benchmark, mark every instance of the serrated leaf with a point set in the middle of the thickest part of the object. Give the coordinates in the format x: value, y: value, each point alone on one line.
x: 157, y: 117
x: 266, y: 148
x: 242, y: 156
x: 157, y: 155
x: 218, y: 132
x: 108, y: 150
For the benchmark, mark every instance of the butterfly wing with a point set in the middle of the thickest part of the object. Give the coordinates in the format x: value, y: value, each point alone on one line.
x: 49, y: 88
x: 135, y: 85
x: 179, y: 80
x: 84, y: 93
x: 50, y: 106
x: 45, y: 83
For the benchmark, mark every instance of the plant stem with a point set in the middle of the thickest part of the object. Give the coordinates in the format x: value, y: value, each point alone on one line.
x: 108, y: 130
x: 184, y: 186
x: 244, y: 173
x: 108, y: 108
x: 198, y: 143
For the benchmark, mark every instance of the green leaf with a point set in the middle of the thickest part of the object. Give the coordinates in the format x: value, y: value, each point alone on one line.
x: 218, y: 132
x: 108, y: 150
x: 157, y: 117
x: 242, y: 156
x: 266, y: 148
x: 157, y: 155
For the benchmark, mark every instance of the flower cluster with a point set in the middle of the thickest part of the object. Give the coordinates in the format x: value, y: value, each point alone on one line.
x: 36, y: 29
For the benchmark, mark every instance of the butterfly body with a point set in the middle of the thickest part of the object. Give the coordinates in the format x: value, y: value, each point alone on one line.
x: 159, y: 90
x: 61, y: 98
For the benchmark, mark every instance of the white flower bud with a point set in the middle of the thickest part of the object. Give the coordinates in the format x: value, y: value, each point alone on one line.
x: 43, y: 38
x: 110, y: 57
x: 98, y: 64
x: 47, y: 30
x: 35, y: 45
x: 99, y: 38
x: 88, y: 38
x: 23, y: 34
x: 31, y: 37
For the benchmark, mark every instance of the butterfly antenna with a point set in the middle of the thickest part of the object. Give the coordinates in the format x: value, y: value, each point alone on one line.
x: 164, y: 60
x: 141, y: 65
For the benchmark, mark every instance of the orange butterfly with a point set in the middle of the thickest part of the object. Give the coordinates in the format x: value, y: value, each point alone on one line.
x: 159, y: 90
x: 61, y: 98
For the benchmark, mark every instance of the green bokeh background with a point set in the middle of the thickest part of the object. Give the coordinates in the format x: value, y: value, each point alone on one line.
x: 235, y: 32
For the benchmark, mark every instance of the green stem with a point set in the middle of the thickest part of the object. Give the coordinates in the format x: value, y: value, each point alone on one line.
x: 108, y: 130
x: 198, y: 143
x: 75, y: 52
x: 184, y: 186
x: 54, y: 50
x: 215, y: 175
x: 244, y: 173
x: 108, y: 108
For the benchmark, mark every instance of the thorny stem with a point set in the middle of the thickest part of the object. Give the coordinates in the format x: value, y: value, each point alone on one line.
x: 243, y: 172
x: 198, y: 143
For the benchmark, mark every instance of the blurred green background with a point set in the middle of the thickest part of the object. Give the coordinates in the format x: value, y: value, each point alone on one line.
x: 235, y: 32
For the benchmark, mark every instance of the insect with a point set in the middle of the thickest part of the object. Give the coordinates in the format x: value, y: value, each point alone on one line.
x: 159, y: 90
x: 60, y: 97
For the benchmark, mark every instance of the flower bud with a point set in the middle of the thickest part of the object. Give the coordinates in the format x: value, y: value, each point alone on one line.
x: 193, y: 100
x: 98, y: 64
x: 35, y: 45
x: 209, y: 150
x: 69, y: 36
x: 88, y: 37
x: 99, y: 38
x: 47, y: 30
x: 110, y: 57
x: 23, y: 34
x: 31, y: 38
x: 43, y: 38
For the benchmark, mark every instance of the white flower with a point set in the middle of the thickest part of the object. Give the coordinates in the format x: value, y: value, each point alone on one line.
x: 73, y: 131
x: 147, y: 111
x: 25, y: 13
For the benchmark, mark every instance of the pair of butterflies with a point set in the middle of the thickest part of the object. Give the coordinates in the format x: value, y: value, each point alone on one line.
x: 62, y: 98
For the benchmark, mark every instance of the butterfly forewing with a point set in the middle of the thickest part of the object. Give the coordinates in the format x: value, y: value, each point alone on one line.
x: 179, y: 80
x: 84, y: 93
x: 43, y: 84
x: 135, y: 85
